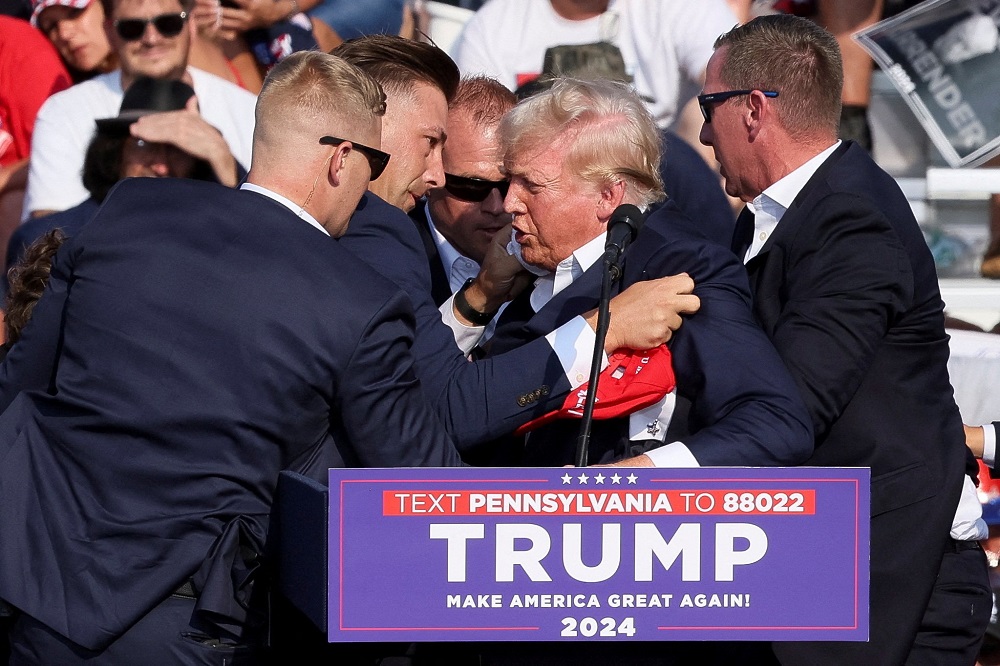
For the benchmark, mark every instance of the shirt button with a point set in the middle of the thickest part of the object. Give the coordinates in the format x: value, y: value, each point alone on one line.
x: 763, y: 236
x: 579, y: 377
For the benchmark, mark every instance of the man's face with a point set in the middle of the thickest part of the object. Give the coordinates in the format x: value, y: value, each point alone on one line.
x: 144, y: 159
x: 413, y: 132
x: 78, y: 34
x: 555, y: 211
x: 153, y: 54
x: 472, y: 151
x: 727, y: 134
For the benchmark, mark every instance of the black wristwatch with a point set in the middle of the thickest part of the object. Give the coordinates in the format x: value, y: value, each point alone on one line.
x: 467, y: 311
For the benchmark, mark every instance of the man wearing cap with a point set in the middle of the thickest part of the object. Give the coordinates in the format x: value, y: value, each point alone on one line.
x: 151, y: 38
x: 574, y: 154
x: 196, y: 340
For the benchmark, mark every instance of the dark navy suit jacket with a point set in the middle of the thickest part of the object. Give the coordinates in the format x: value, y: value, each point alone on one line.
x: 744, y: 407
x: 440, y: 285
x: 478, y: 401
x: 195, y: 340
x: 847, y: 290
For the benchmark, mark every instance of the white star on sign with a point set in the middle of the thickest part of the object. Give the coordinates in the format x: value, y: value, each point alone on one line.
x: 616, y: 479
x: 631, y: 478
x: 599, y: 478
x: 566, y: 478
x: 583, y: 479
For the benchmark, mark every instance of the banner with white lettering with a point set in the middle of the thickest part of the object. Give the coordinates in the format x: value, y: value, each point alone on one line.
x: 611, y: 554
x: 943, y: 57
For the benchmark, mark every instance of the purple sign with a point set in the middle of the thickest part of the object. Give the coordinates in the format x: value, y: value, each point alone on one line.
x: 611, y: 554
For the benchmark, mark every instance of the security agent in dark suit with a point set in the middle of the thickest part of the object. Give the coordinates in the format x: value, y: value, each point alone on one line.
x: 845, y: 287
x: 479, y: 401
x: 196, y: 340
x: 458, y: 221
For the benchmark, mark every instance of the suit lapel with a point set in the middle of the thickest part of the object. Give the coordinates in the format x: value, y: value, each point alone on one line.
x: 787, y: 226
x: 440, y: 286
x: 743, y: 233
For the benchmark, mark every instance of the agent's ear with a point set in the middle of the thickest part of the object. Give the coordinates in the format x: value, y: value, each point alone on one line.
x: 338, y: 162
x: 760, y: 109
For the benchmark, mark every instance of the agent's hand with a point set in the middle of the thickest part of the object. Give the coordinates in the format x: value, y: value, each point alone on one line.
x: 646, y: 314
x: 501, y: 277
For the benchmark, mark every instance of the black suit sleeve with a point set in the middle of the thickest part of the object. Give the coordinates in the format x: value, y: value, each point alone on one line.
x: 381, y: 405
x: 745, y: 409
x: 477, y: 402
x: 850, y: 282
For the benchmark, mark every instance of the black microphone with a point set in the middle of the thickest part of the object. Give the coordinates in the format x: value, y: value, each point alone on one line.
x: 623, y: 227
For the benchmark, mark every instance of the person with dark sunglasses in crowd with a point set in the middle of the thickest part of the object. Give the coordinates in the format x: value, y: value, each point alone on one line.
x: 151, y: 38
x: 457, y: 222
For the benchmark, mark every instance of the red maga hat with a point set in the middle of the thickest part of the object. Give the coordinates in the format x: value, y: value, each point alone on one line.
x: 633, y: 380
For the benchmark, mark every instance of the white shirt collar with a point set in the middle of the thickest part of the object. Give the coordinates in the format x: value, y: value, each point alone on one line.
x: 287, y: 203
x: 771, y: 204
x: 457, y: 266
x: 569, y: 269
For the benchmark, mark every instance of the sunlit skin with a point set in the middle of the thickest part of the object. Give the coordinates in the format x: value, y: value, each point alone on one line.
x: 472, y: 151
x: 153, y: 54
x: 354, y: 175
x: 413, y: 134
x: 141, y: 159
x: 78, y: 35
x: 555, y: 212
x: 727, y: 135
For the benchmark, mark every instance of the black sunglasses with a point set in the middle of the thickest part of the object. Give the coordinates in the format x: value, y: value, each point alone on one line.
x: 473, y: 189
x: 168, y: 25
x: 376, y: 158
x: 705, y: 102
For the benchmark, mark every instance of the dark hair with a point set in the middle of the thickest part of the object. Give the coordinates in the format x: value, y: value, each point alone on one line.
x: 28, y: 279
x: 397, y: 63
x: 795, y: 57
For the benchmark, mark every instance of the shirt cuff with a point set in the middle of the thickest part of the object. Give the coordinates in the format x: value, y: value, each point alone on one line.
x: 674, y: 454
x: 466, y: 337
x: 968, y: 524
x: 651, y: 422
x: 573, y: 343
x: 989, y: 444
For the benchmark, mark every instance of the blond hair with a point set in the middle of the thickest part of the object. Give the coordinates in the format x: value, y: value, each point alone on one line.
x: 314, y: 93
x: 611, y: 135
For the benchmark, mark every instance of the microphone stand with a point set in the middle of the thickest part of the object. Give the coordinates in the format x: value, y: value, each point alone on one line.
x: 610, y: 275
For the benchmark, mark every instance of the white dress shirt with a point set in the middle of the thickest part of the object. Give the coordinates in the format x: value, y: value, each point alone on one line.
x: 287, y: 203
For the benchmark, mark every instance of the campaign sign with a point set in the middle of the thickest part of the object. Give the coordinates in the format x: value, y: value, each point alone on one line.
x: 943, y: 56
x: 603, y: 554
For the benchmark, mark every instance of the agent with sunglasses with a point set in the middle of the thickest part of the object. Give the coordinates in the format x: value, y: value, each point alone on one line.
x: 151, y: 38
x: 211, y: 337
x: 845, y: 287
x: 458, y: 221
